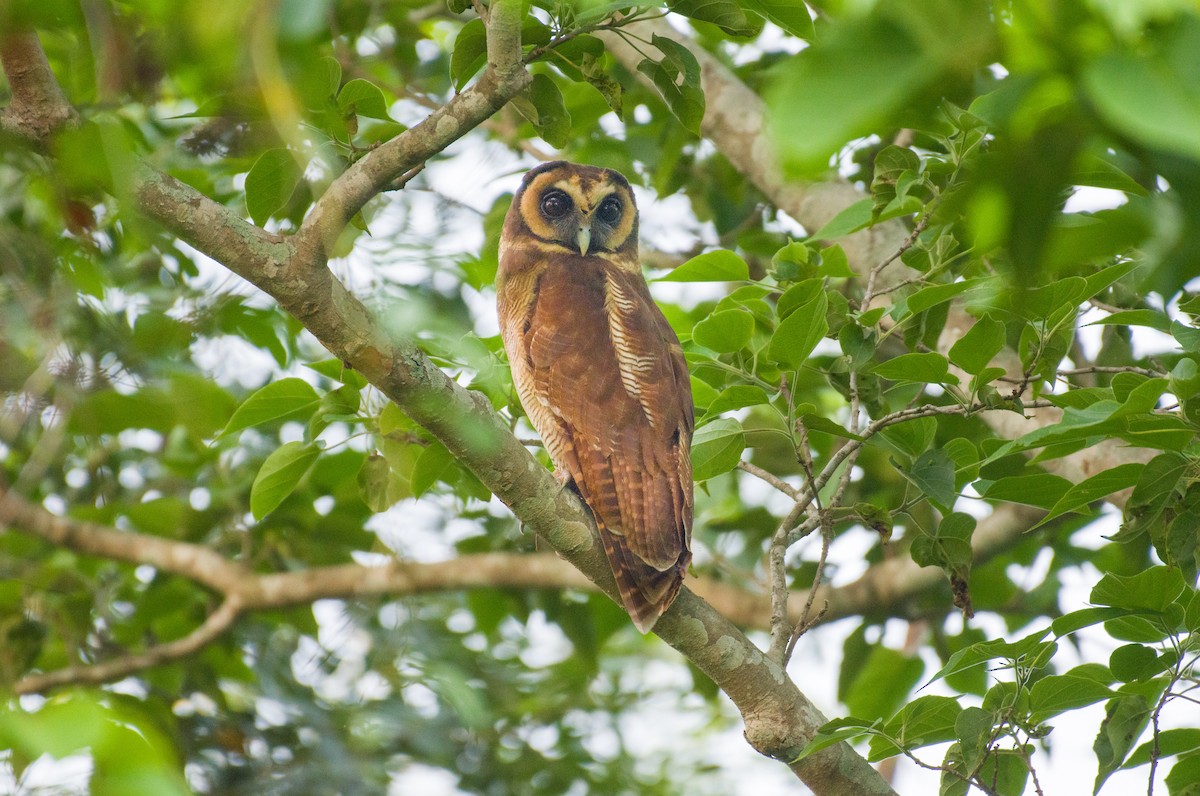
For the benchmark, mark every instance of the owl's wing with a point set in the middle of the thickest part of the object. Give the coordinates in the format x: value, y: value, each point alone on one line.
x: 603, y: 378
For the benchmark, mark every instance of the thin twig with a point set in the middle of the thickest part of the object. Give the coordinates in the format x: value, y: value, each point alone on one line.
x: 212, y: 628
x: 770, y: 478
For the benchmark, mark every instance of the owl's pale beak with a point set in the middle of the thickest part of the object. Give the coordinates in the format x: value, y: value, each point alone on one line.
x: 584, y: 238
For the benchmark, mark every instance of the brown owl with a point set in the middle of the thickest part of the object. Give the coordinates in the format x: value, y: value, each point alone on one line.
x: 600, y: 372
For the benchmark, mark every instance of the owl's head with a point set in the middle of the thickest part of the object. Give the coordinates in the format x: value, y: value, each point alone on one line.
x: 584, y: 209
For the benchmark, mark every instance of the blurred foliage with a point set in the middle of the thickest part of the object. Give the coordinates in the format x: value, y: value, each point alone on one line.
x: 146, y: 389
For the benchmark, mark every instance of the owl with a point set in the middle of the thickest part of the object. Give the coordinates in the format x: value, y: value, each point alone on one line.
x: 600, y: 372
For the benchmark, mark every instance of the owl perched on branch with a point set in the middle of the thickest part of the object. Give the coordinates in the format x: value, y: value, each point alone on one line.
x: 601, y: 373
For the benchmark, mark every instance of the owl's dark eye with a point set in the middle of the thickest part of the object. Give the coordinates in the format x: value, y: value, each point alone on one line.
x: 610, y: 210
x: 555, y: 204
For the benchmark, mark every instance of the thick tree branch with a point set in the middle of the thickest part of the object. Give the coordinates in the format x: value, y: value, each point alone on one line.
x: 38, y: 107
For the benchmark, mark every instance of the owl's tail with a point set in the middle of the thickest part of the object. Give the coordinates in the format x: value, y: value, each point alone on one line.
x: 646, y: 591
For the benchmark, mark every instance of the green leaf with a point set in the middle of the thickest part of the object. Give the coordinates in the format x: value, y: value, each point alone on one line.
x: 834, y: 732
x: 435, y: 463
x: 1029, y: 650
x: 974, y: 350
x: 373, y: 479
x: 928, y: 297
x: 925, y: 368
x: 716, y: 448
x: 1055, y: 694
x: 1133, y: 662
x: 787, y: 14
x: 924, y: 721
x: 542, y: 104
x: 1042, y: 490
x: 470, y: 53
x: 834, y: 263
x: 286, y: 399
x: 279, y: 476
x: 973, y: 729
x: 719, y: 265
x: 363, y: 98
x: 798, y: 334
x: 1098, y: 486
x: 1179, y: 741
x: 1184, y: 777
x: 739, y: 396
x: 882, y: 683
x: 1148, y: 100
x: 933, y: 474
x: 1125, y: 719
x: 851, y: 219
x: 1149, y: 318
x: 677, y: 78
x: 1153, y: 589
x: 1085, y: 617
x: 912, y: 437
x: 270, y: 183
x: 725, y: 331
x: 725, y: 14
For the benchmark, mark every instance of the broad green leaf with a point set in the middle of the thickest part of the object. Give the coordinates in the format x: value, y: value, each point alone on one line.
x: 883, y: 683
x: 725, y: 331
x: 798, y: 334
x: 933, y: 474
x: 1092, y: 489
x: 791, y: 16
x: 1177, y: 741
x: 719, y: 265
x: 1188, y: 336
x: 851, y: 219
x: 1055, y: 694
x: 973, y: 729
x: 1030, y: 650
x: 800, y: 294
x: 1125, y: 718
x: 279, y: 476
x: 1133, y: 662
x: 975, y: 349
x: 434, y: 464
x: 373, y: 482
x: 470, y: 53
x: 834, y: 732
x: 1183, y: 777
x: 270, y: 183
x: 924, y: 721
x: 725, y: 14
x: 928, y: 368
x: 834, y: 263
x: 363, y: 98
x: 286, y: 399
x: 1153, y: 589
x: 912, y: 437
x: 1152, y: 319
x: 738, y: 396
x: 716, y: 448
x: 1042, y: 490
x: 542, y: 104
x: 1147, y: 100
x: 1085, y: 617
x: 677, y: 78
x: 931, y: 296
